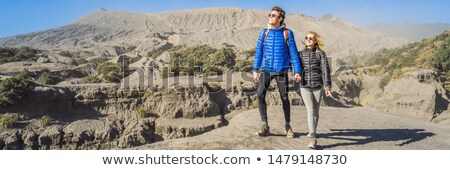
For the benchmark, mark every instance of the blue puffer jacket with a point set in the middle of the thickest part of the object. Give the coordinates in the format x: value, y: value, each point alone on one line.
x: 272, y: 56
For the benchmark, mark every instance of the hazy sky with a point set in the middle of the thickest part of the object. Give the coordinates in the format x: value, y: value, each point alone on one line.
x: 24, y: 16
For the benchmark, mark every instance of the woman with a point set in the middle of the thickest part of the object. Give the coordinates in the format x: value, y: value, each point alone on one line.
x: 315, y: 77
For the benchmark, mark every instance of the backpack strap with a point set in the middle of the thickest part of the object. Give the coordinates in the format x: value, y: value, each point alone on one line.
x: 265, y: 35
x: 286, y: 36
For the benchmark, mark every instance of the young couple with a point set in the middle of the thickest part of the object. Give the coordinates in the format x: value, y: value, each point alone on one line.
x: 275, y: 52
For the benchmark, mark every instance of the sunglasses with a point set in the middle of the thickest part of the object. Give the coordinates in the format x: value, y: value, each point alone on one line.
x: 272, y: 15
x: 310, y: 38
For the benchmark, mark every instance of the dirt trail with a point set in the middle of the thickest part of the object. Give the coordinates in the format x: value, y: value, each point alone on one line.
x: 339, y: 128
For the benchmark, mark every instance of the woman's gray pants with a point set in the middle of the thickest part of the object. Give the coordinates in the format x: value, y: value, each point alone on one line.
x: 311, y: 98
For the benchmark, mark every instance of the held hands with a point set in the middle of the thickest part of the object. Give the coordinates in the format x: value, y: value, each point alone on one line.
x: 255, y: 76
x: 297, y: 77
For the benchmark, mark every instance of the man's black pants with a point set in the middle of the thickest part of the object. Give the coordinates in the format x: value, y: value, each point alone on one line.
x: 282, y: 82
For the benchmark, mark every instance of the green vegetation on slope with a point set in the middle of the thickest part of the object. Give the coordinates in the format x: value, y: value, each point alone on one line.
x: 14, y: 89
x: 433, y: 53
x: 8, y: 54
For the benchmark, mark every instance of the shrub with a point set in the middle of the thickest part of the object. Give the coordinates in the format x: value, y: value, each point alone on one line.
x: 45, y: 120
x: 249, y: 53
x: 385, y: 80
x: 165, y: 73
x: 176, y: 48
x: 441, y: 59
x: 7, y: 52
x: 46, y: 77
x: 90, y: 79
x: 16, y: 54
x: 7, y: 120
x: 14, y: 89
x: 66, y: 54
x: 192, y: 60
x: 142, y: 112
x: 212, y: 70
x: 112, y: 72
x: 243, y: 66
x: 223, y: 57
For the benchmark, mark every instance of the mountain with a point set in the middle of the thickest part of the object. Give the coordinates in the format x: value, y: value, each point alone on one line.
x: 412, y: 32
x: 101, y: 30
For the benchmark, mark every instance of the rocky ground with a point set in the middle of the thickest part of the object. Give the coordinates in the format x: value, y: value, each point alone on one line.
x: 355, y: 128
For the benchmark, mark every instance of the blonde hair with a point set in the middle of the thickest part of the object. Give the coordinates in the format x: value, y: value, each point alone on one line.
x: 319, y: 43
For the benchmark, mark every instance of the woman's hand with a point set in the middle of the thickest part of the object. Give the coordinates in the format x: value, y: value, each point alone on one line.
x: 328, y: 91
x: 297, y: 77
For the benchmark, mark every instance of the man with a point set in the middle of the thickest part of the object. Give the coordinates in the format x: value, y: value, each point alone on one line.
x: 275, y: 51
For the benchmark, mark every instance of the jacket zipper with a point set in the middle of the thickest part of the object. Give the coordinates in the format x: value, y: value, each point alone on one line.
x: 310, y: 69
x: 273, y: 53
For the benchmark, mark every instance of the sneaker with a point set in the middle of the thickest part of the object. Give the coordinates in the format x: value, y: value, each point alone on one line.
x: 311, y: 135
x: 313, y: 143
x: 264, y: 131
x: 289, y: 132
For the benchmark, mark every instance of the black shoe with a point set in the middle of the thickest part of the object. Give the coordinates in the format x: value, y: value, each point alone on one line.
x: 289, y: 132
x: 263, y: 131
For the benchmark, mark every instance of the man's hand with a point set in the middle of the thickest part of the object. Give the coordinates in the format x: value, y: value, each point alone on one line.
x: 297, y: 77
x: 256, y: 76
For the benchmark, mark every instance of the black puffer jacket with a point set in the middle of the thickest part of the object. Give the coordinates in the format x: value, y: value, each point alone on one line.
x: 315, y: 69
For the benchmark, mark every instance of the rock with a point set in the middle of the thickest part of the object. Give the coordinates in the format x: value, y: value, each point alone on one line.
x: 109, y: 133
x: 350, y: 91
x: 180, y: 128
x: 249, y: 87
x: 190, y: 104
x: 136, y: 134
x: 443, y: 118
x: 30, y: 140
x: 81, y: 132
x: 56, y: 58
x: 43, y: 60
x: 370, y: 90
x: 120, y: 59
x: 417, y: 94
x: 357, y: 88
x: 91, y: 134
x: 2, y: 144
x: 296, y: 102
x: 10, y: 140
x: 52, y: 137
